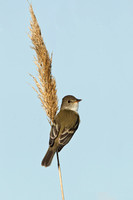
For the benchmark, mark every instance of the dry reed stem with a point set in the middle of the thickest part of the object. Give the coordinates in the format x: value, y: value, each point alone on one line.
x: 46, y: 86
x: 60, y: 177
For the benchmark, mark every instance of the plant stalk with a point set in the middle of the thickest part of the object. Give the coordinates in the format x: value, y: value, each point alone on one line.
x: 60, y: 177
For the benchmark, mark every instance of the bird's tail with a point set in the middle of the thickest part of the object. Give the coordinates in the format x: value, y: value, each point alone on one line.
x: 48, y: 157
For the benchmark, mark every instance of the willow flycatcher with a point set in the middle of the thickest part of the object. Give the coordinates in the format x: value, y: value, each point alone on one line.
x: 65, y: 124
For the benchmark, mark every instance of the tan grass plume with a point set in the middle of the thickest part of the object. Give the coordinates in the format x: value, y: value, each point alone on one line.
x: 46, y: 84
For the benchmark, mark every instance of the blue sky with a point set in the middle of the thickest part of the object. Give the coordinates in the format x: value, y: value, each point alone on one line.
x: 92, y: 45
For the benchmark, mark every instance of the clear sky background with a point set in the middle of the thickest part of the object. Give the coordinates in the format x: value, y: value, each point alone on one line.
x: 92, y: 45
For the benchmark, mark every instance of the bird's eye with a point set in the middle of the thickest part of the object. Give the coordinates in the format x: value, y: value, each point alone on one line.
x: 69, y: 101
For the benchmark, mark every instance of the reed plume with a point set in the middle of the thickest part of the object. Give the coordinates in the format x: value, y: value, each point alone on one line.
x: 46, y: 86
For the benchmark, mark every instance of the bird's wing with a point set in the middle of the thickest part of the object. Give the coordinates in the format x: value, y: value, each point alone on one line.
x: 65, y: 129
x: 67, y: 134
x: 55, y: 128
x: 69, y: 127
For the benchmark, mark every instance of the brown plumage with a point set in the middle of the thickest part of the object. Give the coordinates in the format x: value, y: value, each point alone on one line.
x: 65, y: 124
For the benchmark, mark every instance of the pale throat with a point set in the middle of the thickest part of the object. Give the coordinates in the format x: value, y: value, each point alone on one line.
x: 75, y: 107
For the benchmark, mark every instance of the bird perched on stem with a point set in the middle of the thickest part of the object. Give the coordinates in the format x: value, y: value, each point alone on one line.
x: 63, y: 128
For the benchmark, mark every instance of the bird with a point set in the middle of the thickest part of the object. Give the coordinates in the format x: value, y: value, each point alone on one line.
x: 63, y: 127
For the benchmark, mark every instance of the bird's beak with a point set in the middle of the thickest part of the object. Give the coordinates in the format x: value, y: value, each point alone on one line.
x: 78, y: 100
